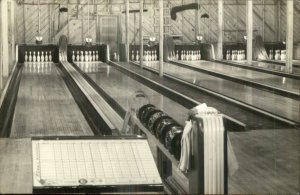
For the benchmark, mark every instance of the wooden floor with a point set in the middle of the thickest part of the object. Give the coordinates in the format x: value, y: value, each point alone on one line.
x: 15, y: 166
x: 45, y: 106
x: 279, y: 105
x: 269, y: 162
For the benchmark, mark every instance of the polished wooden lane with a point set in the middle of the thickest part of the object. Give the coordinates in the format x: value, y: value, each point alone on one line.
x: 45, y: 106
x: 269, y: 162
x: 15, y: 166
x: 120, y: 87
x: 280, y: 82
x: 276, y: 104
x: 267, y: 66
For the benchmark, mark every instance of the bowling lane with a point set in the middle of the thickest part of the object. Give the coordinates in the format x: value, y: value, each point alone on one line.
x: 120, y: 87
x: 272, y: 65
x: 278, y: 105
x: 45, y: 106
x: 288, y: 84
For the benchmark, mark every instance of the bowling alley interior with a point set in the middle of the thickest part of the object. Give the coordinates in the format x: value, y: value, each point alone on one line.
x: 150, y: 96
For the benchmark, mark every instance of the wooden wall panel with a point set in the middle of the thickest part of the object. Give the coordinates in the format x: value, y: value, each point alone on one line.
x: 234, y: 20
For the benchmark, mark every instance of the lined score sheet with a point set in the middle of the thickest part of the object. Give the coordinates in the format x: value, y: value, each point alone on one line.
x: 93, y: 162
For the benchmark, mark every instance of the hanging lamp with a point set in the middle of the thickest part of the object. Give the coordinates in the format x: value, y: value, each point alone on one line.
x: 39, y: 37
x: 88, y: 39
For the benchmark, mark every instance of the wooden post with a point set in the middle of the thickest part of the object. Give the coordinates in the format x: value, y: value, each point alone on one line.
x: 196, y: 20
x: 249, y: 30
x: 289, y: 35
x: 127, y: 30
x: 24, y: 25
x: 161, y: 38
x: 277, y: 23
x: 220, y: 28
x: 263, y: 20
x: 13, y: 33
x: 1, y: 56
x: 141, y: 33
x: 4, y: 39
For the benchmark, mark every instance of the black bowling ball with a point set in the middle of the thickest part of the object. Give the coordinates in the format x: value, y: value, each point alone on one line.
x: 149, y: 115
x: 146, y: 114
x: 163, y: 128
x: 142, y: 110
x: 173, y: 140
x: 157, y: 122
x: 153, y: 120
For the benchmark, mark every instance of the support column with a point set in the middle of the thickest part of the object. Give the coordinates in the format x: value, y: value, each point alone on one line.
x: 1, y: 56
x: 197, y: 19
x: 13, y: 33
x: 4, y: 39
x: 277, y: 23
x: 289, y: 35
x: 220, y: 28
x: 249, y: 31
x: 263, y: 20
x: 127, y: 30
x: 141, y: 34
x: 161, y: 38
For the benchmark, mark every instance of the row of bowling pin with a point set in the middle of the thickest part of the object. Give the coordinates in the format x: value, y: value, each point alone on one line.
x: 38, y: 56
x: 236, y: 55
x: 85, y: 56
x: 189, y: 55
x: 149, y: 55
x: 279, y: 55
x: 41, y: 67
x: 88, y: 67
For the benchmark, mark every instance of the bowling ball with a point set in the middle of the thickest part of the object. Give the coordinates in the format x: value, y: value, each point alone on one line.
x: 146, y: 113
x: 157, y: 122
x: 148, y: 116
x: 173, y: 140
x: 142, y: 109
x: 153, y: 119
x: 163, y: 127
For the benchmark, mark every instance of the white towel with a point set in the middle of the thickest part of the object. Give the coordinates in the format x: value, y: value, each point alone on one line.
x: 185, y: 147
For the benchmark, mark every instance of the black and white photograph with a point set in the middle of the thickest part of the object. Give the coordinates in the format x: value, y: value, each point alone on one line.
x: 150, y: 97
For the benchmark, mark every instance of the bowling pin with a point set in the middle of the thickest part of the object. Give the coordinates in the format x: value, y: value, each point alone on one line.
x: 30, y: 57
x: 97, y: 56
x: 177, y: 55
x: 283, y: 55
x: 38, y: 57
x: 50, y: 56
x: 155, y: 55
x: 26, y: 57
x: 46, y: 57
x: 42, y: 57
x: 86, y: 57
x: 34, y: 57
x: 152, y: 55
x: 73, y: 56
